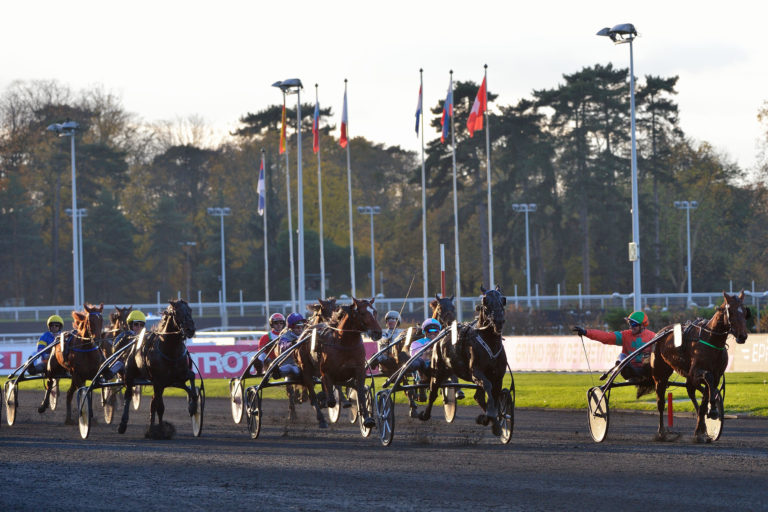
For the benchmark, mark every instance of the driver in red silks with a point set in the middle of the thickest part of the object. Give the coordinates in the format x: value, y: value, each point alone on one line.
x: 639, y: 369
x: 276, y: 325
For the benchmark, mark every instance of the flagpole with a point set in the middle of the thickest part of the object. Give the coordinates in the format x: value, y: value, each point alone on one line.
x: 300, y: 206
x: 266, y: 259
x: 349, y: 195
x: 455, y: 209
x: 290, y: 222
x: 320, y: 201
x: 488, y: 169
x: 423, y: 196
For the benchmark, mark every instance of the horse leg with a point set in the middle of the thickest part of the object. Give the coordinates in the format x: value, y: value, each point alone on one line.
x: 70, y: 393
x: 328, y: 387
x: 661, y: 372
x: 700, y: 434
x: 192, y: 393
x: 291, y: 391
x: 491, y: 410
x: 127, y: 397
x: 362, y: 403
x: 436, y: 378
x: 47, y: 397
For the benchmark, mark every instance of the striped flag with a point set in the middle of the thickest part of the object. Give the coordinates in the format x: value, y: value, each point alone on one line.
x: 343, y: 139
x: 282, y: 130
x: 475, y: 121
x: 316, y: 128
x: 261, y: 188
x: 418, y: 112
x: 445, y: 122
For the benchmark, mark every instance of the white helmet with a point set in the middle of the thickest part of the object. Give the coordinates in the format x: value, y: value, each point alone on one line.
x: 392, y: 315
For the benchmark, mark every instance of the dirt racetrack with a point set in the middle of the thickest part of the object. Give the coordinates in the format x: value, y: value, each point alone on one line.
x: 550, y: 464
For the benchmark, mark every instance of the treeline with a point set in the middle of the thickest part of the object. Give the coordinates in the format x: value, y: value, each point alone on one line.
x: 567, y: 149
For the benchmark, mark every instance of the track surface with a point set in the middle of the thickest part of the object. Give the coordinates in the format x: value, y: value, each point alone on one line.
x: 550, y: 464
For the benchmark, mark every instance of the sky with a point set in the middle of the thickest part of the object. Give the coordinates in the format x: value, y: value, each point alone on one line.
x: 169, y: 59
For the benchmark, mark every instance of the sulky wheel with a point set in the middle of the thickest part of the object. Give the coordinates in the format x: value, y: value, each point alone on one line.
x: 597, y: 407
x: 136, y: 398
x: 368, y: 397
x: 108, y: 399
x: 11, y: 399
x: 197, y: 416
x: 84, y: 406
x: 353, y: 411
x: 254, y: 412
x: 334, y: 412
x: 386, y: 417
x: 506, y: 415
x: 449, y: 403
x: 53, y: 399
x: 715, y: 425
x: 236, y: 395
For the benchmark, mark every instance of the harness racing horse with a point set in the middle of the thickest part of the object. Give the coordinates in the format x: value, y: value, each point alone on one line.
x: 701, y: 360
x: 322, y: 311
x: 80, y: 356
x: 162, y: 358
x: 118, y: 322
x: 478, y: 356
x: 338, y: 355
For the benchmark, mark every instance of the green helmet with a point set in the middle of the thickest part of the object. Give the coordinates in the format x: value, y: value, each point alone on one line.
x: 638, y: 317
x: 54, y: 319
x: 135, y: 316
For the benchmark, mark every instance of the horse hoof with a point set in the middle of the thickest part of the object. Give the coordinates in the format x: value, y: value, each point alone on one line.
x: 413, y: 413
x: 121, y: 428
x: 496, y: 429
x: 423, y: 416
x: 701, y: 439
x: 192, y: 408
x: 369, y: 423
x: 162, y: 431
x: 69, y: 421
x: 322, y: 424
x: 41, y: 409
x: 346, y: 404
x: 483, y: 420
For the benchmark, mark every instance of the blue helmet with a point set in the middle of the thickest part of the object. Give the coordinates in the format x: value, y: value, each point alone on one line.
x: 293, y: 319
x: 430, y: 324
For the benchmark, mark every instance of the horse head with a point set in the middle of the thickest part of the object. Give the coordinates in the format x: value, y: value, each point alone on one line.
x: 89, y: 323
x: 121, y: 322
x: 491, y: 309
x: 363, y: 317
x: 179, y: 314
x: 322, y: 311
x: 735, y: 315
x: 443, y: 310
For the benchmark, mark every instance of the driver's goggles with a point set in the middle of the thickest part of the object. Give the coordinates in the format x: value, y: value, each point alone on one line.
x: 138, y: 323
x: 632, y: 323
x: 432, y: 330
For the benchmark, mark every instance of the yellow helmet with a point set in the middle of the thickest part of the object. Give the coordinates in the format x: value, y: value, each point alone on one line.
x: 53, y: 319
x: 136, y: 316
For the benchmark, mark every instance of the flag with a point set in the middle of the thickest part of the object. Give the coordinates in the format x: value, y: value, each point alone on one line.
x: 261, y: 189
x: 475, y: 121
x: 316, y: 128
x: 447, y: 112
x: 343, y: 139
x: 282, y: 130
x: 418, y: 112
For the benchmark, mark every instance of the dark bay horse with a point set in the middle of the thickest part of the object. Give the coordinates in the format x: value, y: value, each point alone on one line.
x: 162, y: 358
x: 80, y: 357
x: 701, y: 360
x: 118, y: 322
x: 477, y: 356
x: 339, y: 355
x: 322, y: 311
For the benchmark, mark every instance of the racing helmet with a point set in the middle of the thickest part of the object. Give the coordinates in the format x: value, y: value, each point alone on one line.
x: 54, y: 319
x: 293, y: 319
x: 638, y: 317
x: 430, y: 324
x: 135, y: 316
x: 392, y: 315
x: 276, y: 317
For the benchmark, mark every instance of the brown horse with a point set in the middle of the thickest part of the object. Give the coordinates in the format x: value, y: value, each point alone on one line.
x: 163, y: 359
x: 338, y: 355
x: 477, y: 356
x: 322, y: 311
x: 702, y: 360
x: 80, y: 357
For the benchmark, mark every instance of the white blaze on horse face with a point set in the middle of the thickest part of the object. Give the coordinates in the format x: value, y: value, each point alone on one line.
x: 371, y: 310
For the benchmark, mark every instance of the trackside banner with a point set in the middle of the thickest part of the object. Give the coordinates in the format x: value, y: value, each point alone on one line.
x: 524, y: 353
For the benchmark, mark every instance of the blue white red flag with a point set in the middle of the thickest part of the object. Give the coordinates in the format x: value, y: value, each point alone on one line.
x: 261, y: 188
x: 445, y: 122
x: 418, y: 112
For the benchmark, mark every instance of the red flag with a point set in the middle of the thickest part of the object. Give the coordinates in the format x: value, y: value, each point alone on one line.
x: 343, y: 139
x: 282, y: 131
x: 316, y: 128
x: 475, y: 121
